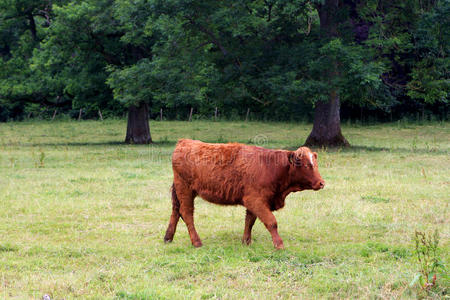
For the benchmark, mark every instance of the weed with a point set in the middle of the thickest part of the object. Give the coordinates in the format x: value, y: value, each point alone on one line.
x: 375, y: 199
x: 12, y: 162
x: 414, y: 146
x: 8, y: 248
x: 39, y: 161
x: 426, y: 250
x: 424, y: 174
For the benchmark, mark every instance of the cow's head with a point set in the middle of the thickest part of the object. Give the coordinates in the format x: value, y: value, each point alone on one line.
x: 304, y: 170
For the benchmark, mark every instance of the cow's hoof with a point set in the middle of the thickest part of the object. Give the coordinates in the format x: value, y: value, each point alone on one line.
x: 279, y: 246
x: 246, y: 241
x: 168, y: 237
x: 197, y: 244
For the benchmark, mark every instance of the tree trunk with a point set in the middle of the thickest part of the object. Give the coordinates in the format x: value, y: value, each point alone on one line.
x: 138, y: 128
x: 327, y: 121
x: 32, y: 27
x: 327, y: 124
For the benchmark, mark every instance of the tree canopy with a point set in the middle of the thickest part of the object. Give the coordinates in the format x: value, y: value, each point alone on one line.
x: 279, y: 59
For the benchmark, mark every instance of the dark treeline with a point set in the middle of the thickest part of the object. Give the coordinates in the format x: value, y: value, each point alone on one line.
x: 316, y: 60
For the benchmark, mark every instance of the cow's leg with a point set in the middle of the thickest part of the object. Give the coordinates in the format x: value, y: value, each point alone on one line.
x: 250, y: 219
x: 260, y: 209
x: 187, y: 212
x: 186, y: 197
x: 170, y: 232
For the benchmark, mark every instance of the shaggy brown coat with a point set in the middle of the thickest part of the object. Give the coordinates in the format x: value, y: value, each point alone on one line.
x: 237, y: 174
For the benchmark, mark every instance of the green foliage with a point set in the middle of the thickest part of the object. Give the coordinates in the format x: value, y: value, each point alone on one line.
x: 430, y: 76
x: 272, y: 57
x: 412, y: 37
x: 23, y: 26
x: 430, y: 263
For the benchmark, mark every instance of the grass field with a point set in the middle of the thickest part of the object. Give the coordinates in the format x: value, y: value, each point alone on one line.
x: 83, y: 215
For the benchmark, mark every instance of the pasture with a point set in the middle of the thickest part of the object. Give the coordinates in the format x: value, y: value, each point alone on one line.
x: 83, y: 215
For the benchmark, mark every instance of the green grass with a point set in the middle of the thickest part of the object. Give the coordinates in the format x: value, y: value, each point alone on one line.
x: 83, y: 215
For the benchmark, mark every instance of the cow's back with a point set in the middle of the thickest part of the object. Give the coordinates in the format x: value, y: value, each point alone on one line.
x: 212, y: 171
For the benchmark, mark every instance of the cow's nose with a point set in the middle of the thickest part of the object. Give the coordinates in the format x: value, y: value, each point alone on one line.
x: 319, y: 185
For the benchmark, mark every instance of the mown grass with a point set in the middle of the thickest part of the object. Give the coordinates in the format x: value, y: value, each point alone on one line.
x: 83, y: 215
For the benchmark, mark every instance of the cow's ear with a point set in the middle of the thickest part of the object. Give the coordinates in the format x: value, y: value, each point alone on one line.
x: 315, y: 155
x: 291, y: 158
x: 294, y: 159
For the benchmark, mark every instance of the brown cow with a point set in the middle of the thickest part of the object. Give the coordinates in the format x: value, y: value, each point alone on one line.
x: 232, y: 174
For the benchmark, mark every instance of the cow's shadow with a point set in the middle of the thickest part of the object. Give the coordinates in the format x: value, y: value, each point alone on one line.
x: 360, y: 148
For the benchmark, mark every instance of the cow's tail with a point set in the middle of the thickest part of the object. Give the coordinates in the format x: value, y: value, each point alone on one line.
x: 170, y: 232
x: 175, y: 201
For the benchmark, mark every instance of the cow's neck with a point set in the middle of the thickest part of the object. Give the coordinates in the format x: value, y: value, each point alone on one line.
x: 290, y: 186
x: 286, y: 187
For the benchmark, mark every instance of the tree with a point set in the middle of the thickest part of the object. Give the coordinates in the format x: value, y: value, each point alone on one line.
x: 86, y: 42
x: 411, y: 37
x: 327, y: 122
x: 130, y: 84
x: 350, y: 65
x: 23, y: 25
x: 431, y: 70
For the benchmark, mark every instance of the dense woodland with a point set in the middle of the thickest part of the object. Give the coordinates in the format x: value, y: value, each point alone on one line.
x: 317, y: 60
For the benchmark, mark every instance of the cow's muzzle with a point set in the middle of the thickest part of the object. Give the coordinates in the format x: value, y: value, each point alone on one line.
x: 319, y: 185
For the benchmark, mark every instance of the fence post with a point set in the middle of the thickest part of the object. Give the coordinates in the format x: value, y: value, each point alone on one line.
x: 248, y: 113
x: 215, y: 115
x: 54, y: 114
x: 190, y: 114
x: 160, y: 114
x: 79, y: 114
x: 100, y: 114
